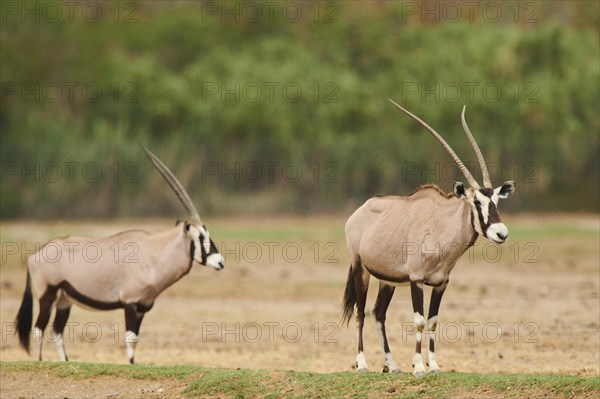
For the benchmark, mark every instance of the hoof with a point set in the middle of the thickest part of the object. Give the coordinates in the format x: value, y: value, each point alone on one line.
x: 419, y: 374
x: 362, y: 370
x: 386, y: 369
x: 435, y: 371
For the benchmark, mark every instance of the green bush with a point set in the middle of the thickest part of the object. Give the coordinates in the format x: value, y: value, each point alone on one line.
x: 205, y: 94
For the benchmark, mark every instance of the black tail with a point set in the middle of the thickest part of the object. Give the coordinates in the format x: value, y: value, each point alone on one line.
x: 349, y: 298
x: 25, y: 316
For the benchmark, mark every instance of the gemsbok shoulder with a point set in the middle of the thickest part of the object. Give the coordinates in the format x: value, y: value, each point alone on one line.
x: 417, y: 240
x: 125, y: 271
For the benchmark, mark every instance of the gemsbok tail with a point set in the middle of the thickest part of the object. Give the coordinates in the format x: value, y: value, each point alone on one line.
x: 25, y: 316
x: 349, y: 298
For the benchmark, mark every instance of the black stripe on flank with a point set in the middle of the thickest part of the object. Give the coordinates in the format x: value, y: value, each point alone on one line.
x: 86, y: 300
x: 100, y: 305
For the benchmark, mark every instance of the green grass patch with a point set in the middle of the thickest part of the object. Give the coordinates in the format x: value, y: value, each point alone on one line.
x: 267, y: 384
x: 87, y: 370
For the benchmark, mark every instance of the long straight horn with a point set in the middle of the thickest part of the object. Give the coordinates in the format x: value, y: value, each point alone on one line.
x: 484, y: 171
x: 175, y: 185
x: 472, y: 182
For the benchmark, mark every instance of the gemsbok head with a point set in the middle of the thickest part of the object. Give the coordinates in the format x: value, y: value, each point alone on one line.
x: 126, y: 271
x: 417, y: 240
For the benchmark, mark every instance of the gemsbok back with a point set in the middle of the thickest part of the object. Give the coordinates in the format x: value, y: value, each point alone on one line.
x: 417, y: 240
x: 125, y: 271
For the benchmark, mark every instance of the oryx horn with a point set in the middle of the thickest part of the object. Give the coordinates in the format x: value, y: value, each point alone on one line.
x: 472, y: 182
x: 484, y: 171
x: 175, y: 185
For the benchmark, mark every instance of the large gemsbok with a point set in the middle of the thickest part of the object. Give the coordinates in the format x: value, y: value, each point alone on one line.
x: 417, y: 240
x: 127, y: 270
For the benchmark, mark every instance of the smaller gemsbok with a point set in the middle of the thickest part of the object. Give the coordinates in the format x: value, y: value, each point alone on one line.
x: 418, y: 239
x: 125, y: 271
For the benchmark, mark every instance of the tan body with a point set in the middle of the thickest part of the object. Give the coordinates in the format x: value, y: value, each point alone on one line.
x: 417, y: 239
x: 414, y: 238
x: 125, y: 268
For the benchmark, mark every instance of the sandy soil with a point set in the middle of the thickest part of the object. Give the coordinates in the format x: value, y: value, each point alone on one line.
x: 25, y: 385
x: 530, y: 306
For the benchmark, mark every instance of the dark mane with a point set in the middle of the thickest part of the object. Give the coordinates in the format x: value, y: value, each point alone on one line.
x: 433, y: 187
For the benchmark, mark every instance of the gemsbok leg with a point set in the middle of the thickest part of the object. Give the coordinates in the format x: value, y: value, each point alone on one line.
x: 63, y: 310
x: 133, y: 322
x: 434, y: 307
x: 386, y: 292
x: 361, y: 285
x: 416, y: 291
x: 46, y: 301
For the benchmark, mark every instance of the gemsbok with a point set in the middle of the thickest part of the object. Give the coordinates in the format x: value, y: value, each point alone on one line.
x: 417, y: 240
x: 125, y: 271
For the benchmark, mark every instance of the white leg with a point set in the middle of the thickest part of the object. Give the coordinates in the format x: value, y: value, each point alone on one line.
x: 418, y: 366
x: 38, y: 338
x: 361, y: 362
x: 63, y: 309
x: 434, y: 307
x: 431, y: 327
x: 60, y: 348
x: 131, y: 341
x: 433, y: 366
x: 390, y: 364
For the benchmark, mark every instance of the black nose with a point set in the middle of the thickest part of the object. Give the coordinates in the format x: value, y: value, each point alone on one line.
x: 502, y: 236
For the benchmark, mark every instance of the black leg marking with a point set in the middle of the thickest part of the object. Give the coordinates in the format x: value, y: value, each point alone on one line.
x: 384, y: 297
x: 133, y: 318
x: 60, y: 321
x: 46, y: 301
x: 134, y: 315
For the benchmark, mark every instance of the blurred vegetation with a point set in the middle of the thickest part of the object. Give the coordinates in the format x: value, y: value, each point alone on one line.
x: 239, y: 99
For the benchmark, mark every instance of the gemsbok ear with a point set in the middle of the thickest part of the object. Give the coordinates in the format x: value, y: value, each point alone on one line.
x: 459, y: 190
x: 506, y: 189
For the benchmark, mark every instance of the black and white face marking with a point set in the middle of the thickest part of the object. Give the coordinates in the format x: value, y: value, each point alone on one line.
x: 205, y: 250
x: 484, y: 203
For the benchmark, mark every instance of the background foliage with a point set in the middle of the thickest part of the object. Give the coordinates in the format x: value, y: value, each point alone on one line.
x: 212, y: 89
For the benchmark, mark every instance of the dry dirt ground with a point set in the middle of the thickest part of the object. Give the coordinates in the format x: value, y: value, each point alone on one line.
x: 529, y: 306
